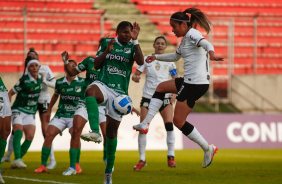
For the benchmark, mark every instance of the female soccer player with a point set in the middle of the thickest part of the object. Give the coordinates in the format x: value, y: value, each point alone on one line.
x: 5, y: 121
x: 70, y: 89
x: 81, y: 116
x: 156, y: 72
x: 48, y: 80
x: 194, y: 49
x: 115, y: 57
x: 23, y: 110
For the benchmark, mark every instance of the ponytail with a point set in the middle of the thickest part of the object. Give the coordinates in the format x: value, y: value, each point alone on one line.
x: 197, y: 18
x: 27, y: 59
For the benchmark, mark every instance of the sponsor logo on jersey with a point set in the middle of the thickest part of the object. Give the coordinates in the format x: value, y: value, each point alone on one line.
x: 33, y: 95
x: 31, y: 103
x: 194, y: 39
x: 93, y: 76
x: 81, y: 66
x: 116, y: 71
x: 37, y: 87
x: 127, y: 50
x: 69, y: 107
x: 119, y: 50
x: 69, y: 89
x: 117, y: 57
x: 70, y: 97
x: 77, y: 89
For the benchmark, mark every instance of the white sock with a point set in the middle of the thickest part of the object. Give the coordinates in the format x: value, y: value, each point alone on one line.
x: 52, y: 155
x: 198, y: 138
x: 142, y: 146
x: 170, y: 139
x: 155, y: 105
x: 10, y: 146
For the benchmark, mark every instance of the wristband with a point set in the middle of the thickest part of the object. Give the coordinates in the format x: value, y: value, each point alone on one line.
x: 66, y: 62
x: 135, y: 42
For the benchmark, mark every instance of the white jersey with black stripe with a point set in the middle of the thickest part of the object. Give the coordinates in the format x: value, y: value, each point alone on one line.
x: 156, y: 72
x: 196, y: 61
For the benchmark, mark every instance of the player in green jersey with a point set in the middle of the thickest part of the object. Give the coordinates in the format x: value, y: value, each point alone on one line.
x: 5, y: 120
x: 23, y: 110
x: 115, y: 58
x: 70, y: 89
x: 81, y: 116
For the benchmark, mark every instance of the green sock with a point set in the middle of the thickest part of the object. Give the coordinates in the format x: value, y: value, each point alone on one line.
x: 45, y: 153
x: 26, y: 144
x: 78, y: 156
x: 73, y: 157
x: 93, y: 113
x: 3, y: 144
x: 111, y: 147
x: 105, y: 153
x: 17, y: 143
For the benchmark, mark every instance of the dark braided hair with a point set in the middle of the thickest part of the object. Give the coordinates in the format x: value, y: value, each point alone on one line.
x: 32, y: 51
x: 123, y: 25
x: 197, y: 18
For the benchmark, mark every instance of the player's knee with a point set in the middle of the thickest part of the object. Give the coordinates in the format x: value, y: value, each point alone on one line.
x: 29, y: 137
x: 178, y: 122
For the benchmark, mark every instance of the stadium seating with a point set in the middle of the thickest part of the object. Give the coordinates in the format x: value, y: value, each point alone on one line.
x: 52, y: 27
x: 222, y: 13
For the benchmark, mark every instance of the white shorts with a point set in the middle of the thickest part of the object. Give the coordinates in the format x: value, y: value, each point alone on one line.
x: 109, y: 96
x: 61, y: 123
x: 22, y: 118
x: 5, y: 106
x: 81, y: 111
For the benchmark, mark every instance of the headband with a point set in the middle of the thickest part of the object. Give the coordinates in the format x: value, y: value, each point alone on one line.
x: 32, y: 52
x: 32, y: 61
x: 179, y: 20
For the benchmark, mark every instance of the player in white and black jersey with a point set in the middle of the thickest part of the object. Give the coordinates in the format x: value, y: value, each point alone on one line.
x: 43, y: 103
x: 194, y: 49
x: 156, y: 72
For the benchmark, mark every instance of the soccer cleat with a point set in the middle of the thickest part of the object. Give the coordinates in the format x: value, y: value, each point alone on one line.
x: 18, y: 163
x: 208, y: 156
x: 92, y: 136
x: 1, y: 179
x: 171, y: 162
x: 41, y: 169
x: 142, y: 127
x: 108, y: 178
x: 140, y: 165
x: 78, y: 168
x: 6, y: 158
x: 52, y: 164
x: 70, y: 171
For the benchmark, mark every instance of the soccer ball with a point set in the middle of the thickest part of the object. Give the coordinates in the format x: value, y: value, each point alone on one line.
x: 122, y: 104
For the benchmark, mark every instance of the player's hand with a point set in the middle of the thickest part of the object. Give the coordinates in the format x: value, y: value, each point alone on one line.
x: 135, y: 31
x: 65, y: 56
x: 216, y: 59
x: 135, y: 111
x: 111, y: 45
x: 172, y: 98
x: 149, y: 59
x: 136, y: 78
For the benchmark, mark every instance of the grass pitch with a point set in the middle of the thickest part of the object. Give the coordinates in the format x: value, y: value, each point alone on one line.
x: 229, y: 167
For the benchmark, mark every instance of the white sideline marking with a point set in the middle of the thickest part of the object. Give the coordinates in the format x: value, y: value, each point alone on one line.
x: 35, y: 180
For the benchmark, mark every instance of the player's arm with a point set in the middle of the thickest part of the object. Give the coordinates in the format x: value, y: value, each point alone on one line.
x: 71, y: 71
x: 10, y: 94
x: 51, y: 83
x: 138, y: 56
x: 99, y: 61
x: 205, y: 44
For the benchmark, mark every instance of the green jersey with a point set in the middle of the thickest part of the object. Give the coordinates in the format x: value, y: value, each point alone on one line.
x: 91, y: 73
x: 70, y: 94
x: 27, y: 94
x: 117, y: 66
x: 2, y: 86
